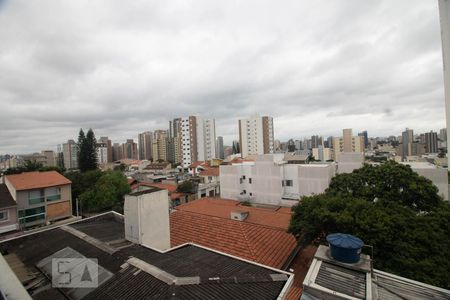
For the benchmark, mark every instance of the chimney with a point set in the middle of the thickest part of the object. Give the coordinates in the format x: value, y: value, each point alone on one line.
x: 146, y: 215
x: 239, y: 215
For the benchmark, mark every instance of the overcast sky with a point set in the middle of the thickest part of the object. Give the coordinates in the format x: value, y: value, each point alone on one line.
x: 123, y: 67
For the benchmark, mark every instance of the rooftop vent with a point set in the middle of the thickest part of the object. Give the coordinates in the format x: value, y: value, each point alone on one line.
x: 345, y: 248
x: 239, y: 215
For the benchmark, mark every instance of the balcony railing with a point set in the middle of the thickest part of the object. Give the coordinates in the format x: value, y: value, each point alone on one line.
x: 54, y: 197
x: 37, y: 200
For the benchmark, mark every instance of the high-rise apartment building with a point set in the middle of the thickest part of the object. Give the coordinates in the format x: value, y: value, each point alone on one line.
x: 102, y: 153
x: 198, y: 138
x: 50, y: 158
x: 116, y: 152
x: 407, y: 141
x: 219, y: 147
x: 129, y: 149
x: 431, y: 142
x: 366, y: 138
x: 160, y: 145
x: 109, y: 150
x: 256, y: 135
x: 145, y: 145
x: 348, y: 143
x: 444, y: 13
x: 316, y: 141
x: 70, y: 155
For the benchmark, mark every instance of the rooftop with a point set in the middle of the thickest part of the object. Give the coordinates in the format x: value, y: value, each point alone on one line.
x: 267, y: 245
x: 6, y: 200
x: 136, y: 272
x: 212, y: 171
x: 328, y: 278
x: 276, y: 216
x: 36, y: 180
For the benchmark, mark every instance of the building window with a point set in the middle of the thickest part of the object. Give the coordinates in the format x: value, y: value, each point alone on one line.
x: 289, y: 183
x: 240, y: 180
x: 250, y: 180
x: 244, y: 192
x: 243, y: 177
x: 282, y: 182
x: 3, y: 215
x: 53, y: 193
x: 32, y: 214
x: 36, y: 197
x: 250, y: 194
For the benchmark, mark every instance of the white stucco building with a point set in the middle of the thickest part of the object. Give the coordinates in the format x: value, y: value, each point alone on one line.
x: 271, y: 180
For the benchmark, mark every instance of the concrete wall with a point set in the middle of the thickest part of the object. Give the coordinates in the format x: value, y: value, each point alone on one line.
x: 267, y: 178
x: 11, y: 223
x: 147, y: 219
x: 59, y: 210
x: 438, y: 176
x: 349, y: 161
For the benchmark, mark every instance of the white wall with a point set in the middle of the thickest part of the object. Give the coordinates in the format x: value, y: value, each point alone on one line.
x: 147, y: 219
x: 267, y: 175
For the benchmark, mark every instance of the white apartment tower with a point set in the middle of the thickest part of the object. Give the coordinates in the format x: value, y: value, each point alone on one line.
x: 444, y: 12
x: 256, y: 135
x: 198, y: 139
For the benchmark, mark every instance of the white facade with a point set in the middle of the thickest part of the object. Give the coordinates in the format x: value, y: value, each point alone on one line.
x: 254, y: 133
x: 439, y: 176
x: 269, y: 180
x: 349, y: 161
x: 444, y: 12
x: 102, y: 154
x: 322, y: 154
x: 198, y: 139
x: 146, y: 217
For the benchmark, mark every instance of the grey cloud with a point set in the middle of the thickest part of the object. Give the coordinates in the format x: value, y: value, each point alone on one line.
x: 121, y: 69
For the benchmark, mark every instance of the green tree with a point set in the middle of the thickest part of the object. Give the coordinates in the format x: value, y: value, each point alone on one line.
x: 385, y: 207
x: 186, y: 186
x: 87, y: 151
x: 388, y: 182
x: 106, y: 194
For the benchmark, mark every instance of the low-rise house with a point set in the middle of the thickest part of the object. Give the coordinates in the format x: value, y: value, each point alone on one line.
x: 8, y: 211
x: 210, y: 182
x: 41, y: 197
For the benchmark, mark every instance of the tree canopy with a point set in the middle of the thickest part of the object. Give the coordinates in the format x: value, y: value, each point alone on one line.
x: 186, y: 186
x: 87, y: 151
x: 389, y: 207
x: 102, y: 191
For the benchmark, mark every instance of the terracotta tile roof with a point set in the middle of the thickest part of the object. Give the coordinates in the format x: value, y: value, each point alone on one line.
x: 213, y: 171
x: 36, y: 180
x: 300, y: 264
x: 170, y: 187
x: 222, y: 208
x: 195, y: 164
x: 266, y: 245
x: 131, y: 180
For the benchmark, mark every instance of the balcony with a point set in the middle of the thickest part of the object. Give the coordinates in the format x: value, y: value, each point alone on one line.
x: 36, y: 200
x: 54, y: 197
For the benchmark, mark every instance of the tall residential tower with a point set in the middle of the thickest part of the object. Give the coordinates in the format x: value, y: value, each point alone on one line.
x: 256, y: 135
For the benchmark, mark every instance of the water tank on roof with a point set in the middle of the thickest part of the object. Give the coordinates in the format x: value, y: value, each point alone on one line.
x: 345, y: 248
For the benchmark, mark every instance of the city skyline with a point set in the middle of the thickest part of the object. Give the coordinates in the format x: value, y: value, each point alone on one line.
x: 380, y: 70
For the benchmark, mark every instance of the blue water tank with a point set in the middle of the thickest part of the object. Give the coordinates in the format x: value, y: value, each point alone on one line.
x: 345, y: 248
